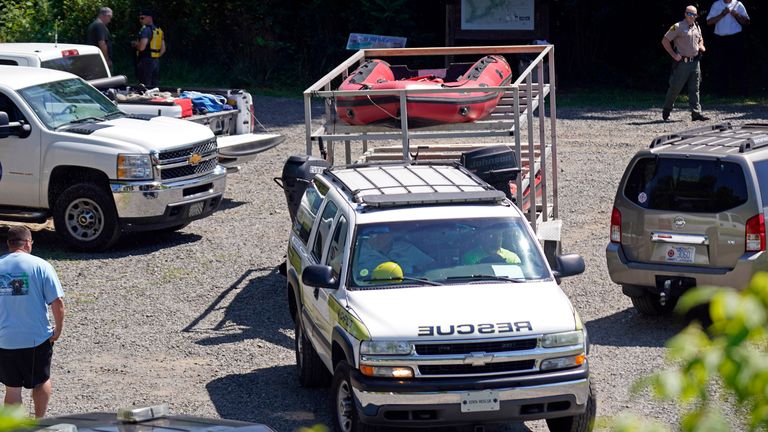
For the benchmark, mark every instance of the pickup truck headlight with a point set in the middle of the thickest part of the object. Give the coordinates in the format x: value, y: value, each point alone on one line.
x: 134, y: 167
x: 386, y: 347
x: 554, y: 340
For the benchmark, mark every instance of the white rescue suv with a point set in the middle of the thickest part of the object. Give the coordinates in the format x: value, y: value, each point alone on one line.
x: 423, y: 295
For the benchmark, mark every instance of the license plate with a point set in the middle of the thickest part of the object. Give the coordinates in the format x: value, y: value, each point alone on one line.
x: 486, y: 400
x: 680, y: 254
x: 196, y: 208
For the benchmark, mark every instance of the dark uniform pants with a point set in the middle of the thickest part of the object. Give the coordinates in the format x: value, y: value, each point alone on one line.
x: 682, y: 74
x: 149, y: 72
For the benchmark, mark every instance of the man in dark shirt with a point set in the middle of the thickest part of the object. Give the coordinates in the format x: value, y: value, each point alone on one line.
x: 98, y: 34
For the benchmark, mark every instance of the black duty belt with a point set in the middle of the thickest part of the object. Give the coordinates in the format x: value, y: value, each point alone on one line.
x: 690, y: 59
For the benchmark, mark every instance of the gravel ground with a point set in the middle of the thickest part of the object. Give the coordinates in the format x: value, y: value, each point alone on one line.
x: 198, y: 319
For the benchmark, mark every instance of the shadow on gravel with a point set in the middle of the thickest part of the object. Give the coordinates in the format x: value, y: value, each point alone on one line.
x: 258, y: 311
x: 271, y: 396
x: 228, y: 203
x: 49, y: 246
x: 629, y: 328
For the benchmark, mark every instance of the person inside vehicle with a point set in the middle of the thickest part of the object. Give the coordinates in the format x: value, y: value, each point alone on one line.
x: 489, y: 250
x: 382, y: 246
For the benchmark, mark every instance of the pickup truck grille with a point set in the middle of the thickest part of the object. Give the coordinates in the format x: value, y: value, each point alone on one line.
x: 466, y: 348
x: 467, y: 369
x: 188, y: 170
x: 187, y: 162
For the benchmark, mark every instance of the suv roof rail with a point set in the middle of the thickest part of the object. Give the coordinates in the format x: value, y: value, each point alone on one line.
x: 688, y: 133
x: 414, y: 183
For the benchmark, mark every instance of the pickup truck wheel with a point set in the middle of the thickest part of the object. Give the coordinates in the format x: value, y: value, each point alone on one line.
x: 584, y: 422
x: 312, y: 371
x: 345, y: 416
x: 649, y: 304
x: 85, y: 218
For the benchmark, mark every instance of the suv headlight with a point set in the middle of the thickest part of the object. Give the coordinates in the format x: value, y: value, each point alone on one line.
x: 386, y: 347
x: 554, y: 340
x: 134, y: 167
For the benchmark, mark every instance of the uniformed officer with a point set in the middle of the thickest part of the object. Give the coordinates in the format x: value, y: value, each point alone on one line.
x: 688, y: 47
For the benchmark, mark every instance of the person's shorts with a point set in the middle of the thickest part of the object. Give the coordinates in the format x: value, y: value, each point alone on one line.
x: 26, y: 367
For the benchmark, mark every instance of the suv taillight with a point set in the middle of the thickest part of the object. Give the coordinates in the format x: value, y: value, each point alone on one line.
x: 755, y: 236
x: 616, y: 226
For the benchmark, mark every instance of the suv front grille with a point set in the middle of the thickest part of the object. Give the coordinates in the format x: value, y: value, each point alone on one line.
x: 466, y: 348
x: 466, y: 369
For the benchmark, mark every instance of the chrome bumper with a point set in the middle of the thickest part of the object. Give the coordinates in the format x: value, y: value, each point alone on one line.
x: 578, y: 389
x: 151, y: 199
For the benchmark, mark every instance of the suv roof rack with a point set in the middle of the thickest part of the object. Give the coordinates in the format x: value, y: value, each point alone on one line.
x: 402, y: 184
x: 723, y: 135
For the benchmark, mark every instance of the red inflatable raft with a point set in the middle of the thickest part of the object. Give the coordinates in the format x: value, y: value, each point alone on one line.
x: 426, y: 108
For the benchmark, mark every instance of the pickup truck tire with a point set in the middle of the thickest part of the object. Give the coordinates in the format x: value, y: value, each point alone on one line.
x: 85, y: 218
x: 345, y: 417
x: 312, y: 371
x: 579, y: 423
x: 649, y: 304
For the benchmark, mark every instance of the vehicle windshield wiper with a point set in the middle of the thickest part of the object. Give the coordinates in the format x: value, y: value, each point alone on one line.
x: 116, y: 113
x: 85, y: 119
x: 487, y: 277
x: 408, y: 278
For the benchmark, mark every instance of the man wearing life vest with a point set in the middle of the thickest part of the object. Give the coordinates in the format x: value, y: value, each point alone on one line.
x: 150, y: 46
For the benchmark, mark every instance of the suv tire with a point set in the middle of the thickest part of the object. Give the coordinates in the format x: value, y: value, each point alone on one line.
x: 584, y: 422
x: 85, y: 217
x: 312, y: 371
x: 649, y: 304
x: 343, y: 409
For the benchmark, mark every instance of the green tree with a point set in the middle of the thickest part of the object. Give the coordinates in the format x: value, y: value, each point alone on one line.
x: 728, y: 358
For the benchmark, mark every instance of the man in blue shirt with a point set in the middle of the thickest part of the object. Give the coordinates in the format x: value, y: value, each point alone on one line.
x: 28, y: 285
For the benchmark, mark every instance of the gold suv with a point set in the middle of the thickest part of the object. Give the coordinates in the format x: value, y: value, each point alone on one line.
x: 689, y: 212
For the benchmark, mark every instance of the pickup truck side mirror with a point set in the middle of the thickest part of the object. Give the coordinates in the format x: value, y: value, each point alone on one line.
x: 22, y: 130
x: 319, y: 276
x: 568, y: 265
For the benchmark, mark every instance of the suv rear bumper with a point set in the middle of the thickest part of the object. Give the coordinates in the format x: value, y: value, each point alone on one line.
x: 625, y: 272
x: 435, y: 402
x: 154, y: 205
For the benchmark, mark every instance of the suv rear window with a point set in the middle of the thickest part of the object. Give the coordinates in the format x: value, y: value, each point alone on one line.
x: 87, y: 67
x: 693, y: 185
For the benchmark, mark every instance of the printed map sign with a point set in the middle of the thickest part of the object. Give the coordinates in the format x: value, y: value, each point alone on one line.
x: 358, y: 41
x: 497, y: 15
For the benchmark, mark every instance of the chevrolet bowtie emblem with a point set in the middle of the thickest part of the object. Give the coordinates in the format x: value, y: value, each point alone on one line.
x: 478, y: 358
x: 195, y: 159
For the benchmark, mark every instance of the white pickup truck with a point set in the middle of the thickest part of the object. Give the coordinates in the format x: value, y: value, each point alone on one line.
x: 235, y: 128
x: 68, y: 152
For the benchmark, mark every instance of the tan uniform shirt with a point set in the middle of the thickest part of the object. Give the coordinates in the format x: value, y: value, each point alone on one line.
x: 685, y: 38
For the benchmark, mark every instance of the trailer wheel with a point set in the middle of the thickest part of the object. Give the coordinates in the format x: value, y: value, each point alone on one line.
x: 85, y: 218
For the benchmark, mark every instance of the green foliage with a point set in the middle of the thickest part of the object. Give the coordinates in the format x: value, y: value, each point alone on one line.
x: 730, y: 355
x: 14, y: 418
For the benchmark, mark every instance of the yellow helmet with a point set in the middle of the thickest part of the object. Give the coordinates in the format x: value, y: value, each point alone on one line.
x: 387, y: 271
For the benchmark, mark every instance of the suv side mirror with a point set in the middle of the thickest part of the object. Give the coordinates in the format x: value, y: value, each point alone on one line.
x: 568, y: 265
x: 320, y: 276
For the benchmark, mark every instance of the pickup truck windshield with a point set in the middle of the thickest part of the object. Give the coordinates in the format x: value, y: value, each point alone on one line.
x: 446, y: 251
x: 70, y: 101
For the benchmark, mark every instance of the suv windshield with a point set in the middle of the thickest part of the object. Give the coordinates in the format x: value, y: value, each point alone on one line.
x: 692, y: 185
x: 445, y: 251
x: 70, y: 101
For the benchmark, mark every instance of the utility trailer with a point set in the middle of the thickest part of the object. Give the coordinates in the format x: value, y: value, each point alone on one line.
x: 511, y: 127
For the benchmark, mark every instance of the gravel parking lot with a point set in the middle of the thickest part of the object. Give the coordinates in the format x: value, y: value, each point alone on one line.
x: 198, y: 319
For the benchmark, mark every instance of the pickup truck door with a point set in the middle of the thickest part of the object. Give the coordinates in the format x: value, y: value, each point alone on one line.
x: 316, y: 299
x: 19, y: 160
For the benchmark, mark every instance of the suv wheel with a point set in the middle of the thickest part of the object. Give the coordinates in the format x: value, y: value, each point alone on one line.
x: 312, y: 371
x: 85, y: 217
x: 649, y: 304
x: 584, y: 422
x: 345, y: 416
